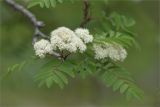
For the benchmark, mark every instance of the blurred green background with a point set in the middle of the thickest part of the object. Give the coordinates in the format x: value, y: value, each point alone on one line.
x: 19, y: 90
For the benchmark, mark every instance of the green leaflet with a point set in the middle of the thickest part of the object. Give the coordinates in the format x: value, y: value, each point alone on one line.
x: 117, y: 84
x: 62, y: 76
x: 58, y: 80
x: 49, y: 82
x: 123, y: 88
x: 46, y: 3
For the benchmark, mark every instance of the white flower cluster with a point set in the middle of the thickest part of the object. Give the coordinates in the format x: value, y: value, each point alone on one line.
x: 63, y: 38
x: 84, y: 35
x: 42, y: 48
x: 114, y: 51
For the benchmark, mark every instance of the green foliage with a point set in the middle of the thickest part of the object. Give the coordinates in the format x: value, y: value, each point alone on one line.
x: 121, y: 21
x: 119, y: 79
x: 59, y: 74
x: 115, y: 29
x: 45, y: 3
x: 21, y: 65
x: 123, y: 39
x: 85, y: 67
x: 14, y: 68
x: 54, y: 74
x: 109, y: 72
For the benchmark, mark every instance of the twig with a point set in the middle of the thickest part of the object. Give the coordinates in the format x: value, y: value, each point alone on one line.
x: 86, y: 15
x: 37, y: 24
x: 86, y: 19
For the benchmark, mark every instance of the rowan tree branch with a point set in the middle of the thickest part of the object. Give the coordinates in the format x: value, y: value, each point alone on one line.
x: 86, y: 15
x: 36, y: 23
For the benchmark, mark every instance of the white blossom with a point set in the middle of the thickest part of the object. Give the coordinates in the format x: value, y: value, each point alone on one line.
x: 84, y: 35
x: 65, y: 39
x: 114, y: 51
x: 42, y: 47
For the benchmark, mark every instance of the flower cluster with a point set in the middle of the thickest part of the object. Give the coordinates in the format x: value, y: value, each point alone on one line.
x: 84, y: 35
x: 114, y: 51
x: 64, y: 38
x: 42, y: 48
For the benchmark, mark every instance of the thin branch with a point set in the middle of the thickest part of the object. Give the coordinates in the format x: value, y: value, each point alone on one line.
x: 86, y: 15
x: 37, y: 24
x: 86, y: 19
